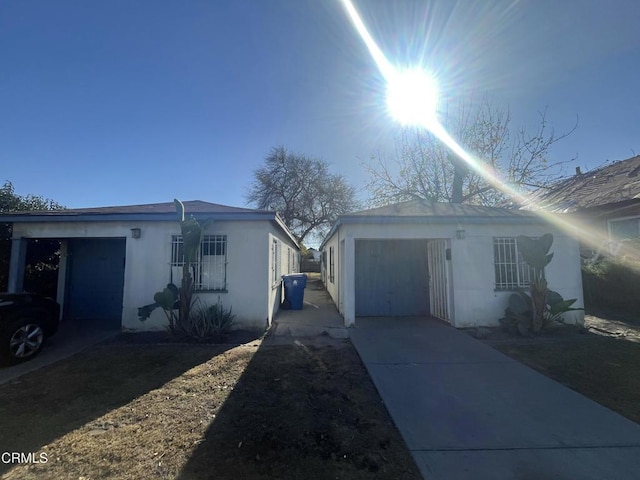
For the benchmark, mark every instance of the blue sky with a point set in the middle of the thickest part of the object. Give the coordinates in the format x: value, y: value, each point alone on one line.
x: 110, y: 102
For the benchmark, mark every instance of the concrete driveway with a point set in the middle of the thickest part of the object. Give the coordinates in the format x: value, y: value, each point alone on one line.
x: 71, y: 338
x: 466, y: 411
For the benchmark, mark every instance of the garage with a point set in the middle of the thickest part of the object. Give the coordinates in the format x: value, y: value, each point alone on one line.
x: 423, y: 258
x: 391, y: 278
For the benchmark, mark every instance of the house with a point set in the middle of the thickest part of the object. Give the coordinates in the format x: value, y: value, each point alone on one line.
x: 315, y: 254
x: 606, y: 200
x: 113, y: 259
x: 459, y: 263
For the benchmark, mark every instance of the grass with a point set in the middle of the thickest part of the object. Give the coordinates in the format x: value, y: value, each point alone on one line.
x: 198, y: 412
x: 599, y: 364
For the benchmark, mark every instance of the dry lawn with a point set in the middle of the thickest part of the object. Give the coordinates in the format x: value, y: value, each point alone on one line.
x: 202, y: 412
x: 601, y: 362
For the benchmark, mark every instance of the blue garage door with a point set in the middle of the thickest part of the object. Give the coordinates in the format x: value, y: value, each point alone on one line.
x: 391, y: 278
x: 96, y: 280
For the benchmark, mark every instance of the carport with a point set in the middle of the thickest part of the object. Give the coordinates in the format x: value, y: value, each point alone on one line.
x: 90, y: 278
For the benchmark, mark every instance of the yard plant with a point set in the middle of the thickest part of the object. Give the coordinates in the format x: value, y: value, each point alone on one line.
x: 533, y: 311
x: 188, y: 316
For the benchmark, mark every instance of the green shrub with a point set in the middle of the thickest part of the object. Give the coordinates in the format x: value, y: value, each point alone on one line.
x: 518, y: 316
x: 612, y: 285
x: 206, y: 323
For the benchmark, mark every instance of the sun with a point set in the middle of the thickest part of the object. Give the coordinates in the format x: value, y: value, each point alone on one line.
x: 412, y: 97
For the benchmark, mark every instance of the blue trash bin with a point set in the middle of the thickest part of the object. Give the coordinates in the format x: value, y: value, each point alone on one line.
x: 294, y: 286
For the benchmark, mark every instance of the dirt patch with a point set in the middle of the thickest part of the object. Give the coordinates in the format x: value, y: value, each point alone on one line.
x: 609, y: 327
x: 612, y: 327
x: 191, y: 412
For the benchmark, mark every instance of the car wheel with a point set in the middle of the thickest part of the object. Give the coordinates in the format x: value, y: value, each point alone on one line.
x: 22, y: 341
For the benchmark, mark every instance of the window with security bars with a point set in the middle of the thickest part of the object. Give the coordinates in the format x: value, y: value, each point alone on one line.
x: 331, y: 265
x: 210, y: 267
x: 276, y: 267
x: 511, y: 271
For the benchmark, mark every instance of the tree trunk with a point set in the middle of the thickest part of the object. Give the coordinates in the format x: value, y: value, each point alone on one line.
x: 538, y: 291
x: 460, y: 171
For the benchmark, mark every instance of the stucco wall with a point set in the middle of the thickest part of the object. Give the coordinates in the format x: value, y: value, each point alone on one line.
x: 289, y: 260
x: 474, y: 300
x: 333, y: 286
x: 147, y: 269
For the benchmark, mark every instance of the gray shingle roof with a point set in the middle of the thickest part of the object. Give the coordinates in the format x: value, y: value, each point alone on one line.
x: 613, y: 183
x: 191, y: 206
x: 423, y: 208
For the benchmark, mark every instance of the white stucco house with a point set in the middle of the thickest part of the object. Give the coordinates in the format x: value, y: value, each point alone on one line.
x: 113, y: 260
x: 458, y: 263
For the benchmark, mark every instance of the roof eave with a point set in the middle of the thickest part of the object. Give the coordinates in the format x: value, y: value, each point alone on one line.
x: 439, y: 220
x: 129, y: 217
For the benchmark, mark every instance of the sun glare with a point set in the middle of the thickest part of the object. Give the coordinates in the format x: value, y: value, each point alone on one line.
x: 412, y: 97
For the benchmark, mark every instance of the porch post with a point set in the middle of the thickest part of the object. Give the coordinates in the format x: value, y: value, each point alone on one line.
x: 17, y: 264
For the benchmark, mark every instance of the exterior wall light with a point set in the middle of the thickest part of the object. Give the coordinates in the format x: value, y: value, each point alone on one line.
x: 136, y: 233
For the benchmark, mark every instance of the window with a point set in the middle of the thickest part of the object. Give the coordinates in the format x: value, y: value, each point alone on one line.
x: 331, y: 265
x: 511, y: 271
x: 624, y: 229
x: 210, y: 267
x: 275, y: 262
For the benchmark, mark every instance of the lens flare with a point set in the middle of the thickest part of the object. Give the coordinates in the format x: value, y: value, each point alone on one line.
x: 412, y: 100
x: 412, y: 97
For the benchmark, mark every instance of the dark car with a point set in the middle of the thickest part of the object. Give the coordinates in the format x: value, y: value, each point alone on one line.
x: 26, y: 321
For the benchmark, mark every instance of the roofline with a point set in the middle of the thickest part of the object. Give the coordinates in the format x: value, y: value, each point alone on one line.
x: 439, y: 220
x: 286, y: 230
x: 62, y: 216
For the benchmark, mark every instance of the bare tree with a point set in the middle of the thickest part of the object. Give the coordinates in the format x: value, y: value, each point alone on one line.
x: 427, y: 169
x: 305, y: 193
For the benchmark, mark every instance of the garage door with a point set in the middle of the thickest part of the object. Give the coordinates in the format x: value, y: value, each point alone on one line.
x: 391, y: 278
x: 96, y: 280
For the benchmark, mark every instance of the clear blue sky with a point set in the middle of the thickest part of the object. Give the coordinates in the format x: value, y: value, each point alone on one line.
x: 109, y: 102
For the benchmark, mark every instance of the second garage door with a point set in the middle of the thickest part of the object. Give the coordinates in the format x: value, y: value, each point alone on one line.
x: 391, y: 278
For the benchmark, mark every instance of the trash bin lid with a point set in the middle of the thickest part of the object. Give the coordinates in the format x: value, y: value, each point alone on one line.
x: 297, y: 279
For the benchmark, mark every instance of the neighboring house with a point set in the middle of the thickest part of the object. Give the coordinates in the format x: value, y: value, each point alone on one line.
x: 459, y: 263
x: 113, y: 259
x: 315, y: 254
x: 606, y: 200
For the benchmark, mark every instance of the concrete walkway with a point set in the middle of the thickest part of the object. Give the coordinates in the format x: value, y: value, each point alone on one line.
x: 466, y: 411
x: 318, y: 316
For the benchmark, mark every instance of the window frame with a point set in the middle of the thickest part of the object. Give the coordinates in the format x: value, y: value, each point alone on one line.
x: 276, y: 267
x: 332, y: 264
x: 504, y: 266
x: 218, y: 243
